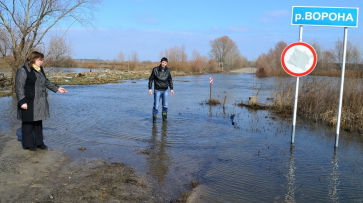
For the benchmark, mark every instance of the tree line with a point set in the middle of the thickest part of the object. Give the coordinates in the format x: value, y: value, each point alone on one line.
x: 224, y: 55
x: 330, y: 60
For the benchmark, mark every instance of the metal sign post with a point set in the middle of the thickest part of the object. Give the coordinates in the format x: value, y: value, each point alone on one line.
x: 296, y: 95
x: 341, y: 86
x: 332, y: 17
x: 298, y: 59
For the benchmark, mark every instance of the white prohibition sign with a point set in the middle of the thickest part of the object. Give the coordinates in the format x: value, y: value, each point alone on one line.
x: 298, y: 59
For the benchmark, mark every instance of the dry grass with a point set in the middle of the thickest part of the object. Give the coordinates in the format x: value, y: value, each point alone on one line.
x: 213, y: 102
x: 5, y: 94
x: 338, y: 73
x: 318, y: 100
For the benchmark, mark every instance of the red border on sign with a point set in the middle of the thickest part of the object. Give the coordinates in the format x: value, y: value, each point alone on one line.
x: 298, y: 74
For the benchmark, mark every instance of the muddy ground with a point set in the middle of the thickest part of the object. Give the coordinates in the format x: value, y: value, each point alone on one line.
x: 51, y: 176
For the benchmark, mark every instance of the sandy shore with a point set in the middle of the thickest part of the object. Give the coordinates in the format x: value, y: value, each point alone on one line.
x: 51, y: 176
x: 244, y: 70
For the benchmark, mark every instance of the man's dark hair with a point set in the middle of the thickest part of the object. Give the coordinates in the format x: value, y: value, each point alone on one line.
x: 164, y: 59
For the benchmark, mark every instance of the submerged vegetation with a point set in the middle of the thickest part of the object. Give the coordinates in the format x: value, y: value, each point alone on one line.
x: 213, y: 102
x: 318, y: 100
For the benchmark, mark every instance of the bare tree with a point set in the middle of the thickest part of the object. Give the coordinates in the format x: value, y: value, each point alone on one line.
x: 263, y: 65
x: 356, y: 56
x: 133, y: 61
x: 28, y: 22
x: 121, y: 56
x: 176, y: 54
x: 4, y: 43
x: 196, y: 62
x: 58, y: 48
x: 241, y: 62
x: 275, y: 55
x: 328, y: 60
x: 270, y: 64
x: 134, y: 57
x: 319, y: 54
x: 224, y: 49
x: 339, y: 51
x: 195, y: 55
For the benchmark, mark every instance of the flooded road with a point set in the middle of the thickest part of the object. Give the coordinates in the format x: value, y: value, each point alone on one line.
x: 250, y: 161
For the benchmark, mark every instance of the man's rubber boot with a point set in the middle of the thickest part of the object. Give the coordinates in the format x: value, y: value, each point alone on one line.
x: 154, y: 118
x: 165, y: 117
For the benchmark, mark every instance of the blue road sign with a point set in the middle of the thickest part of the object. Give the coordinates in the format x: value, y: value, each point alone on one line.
x: 324, y: 16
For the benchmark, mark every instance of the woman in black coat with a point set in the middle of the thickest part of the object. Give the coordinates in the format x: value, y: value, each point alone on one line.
x: 31, y: 90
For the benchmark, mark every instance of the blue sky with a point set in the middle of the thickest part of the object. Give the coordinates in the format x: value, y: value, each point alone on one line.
x: 151, y: 26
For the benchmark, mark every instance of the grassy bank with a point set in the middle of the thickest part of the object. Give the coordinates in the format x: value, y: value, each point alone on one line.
x: 318, y: 100
x: 87, y: 78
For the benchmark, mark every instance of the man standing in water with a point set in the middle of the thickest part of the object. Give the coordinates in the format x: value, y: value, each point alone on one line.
x: 162, y: 80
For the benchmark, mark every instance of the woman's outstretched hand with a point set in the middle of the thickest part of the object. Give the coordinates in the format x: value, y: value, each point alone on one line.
x: 62, y: 90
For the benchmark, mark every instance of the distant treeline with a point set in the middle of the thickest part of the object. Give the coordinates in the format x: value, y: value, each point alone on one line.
x: 328, y: 64
x: 224, y: 55
x: 202, y: 65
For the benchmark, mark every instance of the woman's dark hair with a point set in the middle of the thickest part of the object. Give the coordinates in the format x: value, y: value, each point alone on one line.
x: 164, y: 59
x: 34, y: 56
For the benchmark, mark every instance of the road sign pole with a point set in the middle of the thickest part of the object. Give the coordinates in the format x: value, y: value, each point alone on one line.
x: 341, y: 86
x: 211, y: 82
x: 300, y: 33
x: 295, y: 109
x: 296, y: 96
x: 210, y: 99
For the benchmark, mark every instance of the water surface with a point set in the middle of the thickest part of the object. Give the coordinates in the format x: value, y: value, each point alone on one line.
x: 250, y: 161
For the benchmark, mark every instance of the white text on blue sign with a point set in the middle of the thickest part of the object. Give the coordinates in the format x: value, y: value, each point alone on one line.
x: 325, y: 16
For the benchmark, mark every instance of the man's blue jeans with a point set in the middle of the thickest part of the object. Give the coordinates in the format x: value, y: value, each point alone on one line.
x: 158, y: 94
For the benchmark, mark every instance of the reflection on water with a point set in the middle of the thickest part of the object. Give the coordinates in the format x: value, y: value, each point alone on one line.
x: 249, y: 161
x: 158, y: 159
x: 334, y: 182
x: 291, y: 180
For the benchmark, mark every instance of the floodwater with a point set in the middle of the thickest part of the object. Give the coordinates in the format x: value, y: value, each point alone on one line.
x: 71, y: 70
x: 250, y: 161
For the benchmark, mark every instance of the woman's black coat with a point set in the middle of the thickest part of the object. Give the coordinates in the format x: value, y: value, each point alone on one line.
x: 31, y: 88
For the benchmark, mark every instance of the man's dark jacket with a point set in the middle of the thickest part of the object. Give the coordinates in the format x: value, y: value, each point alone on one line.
x: 162, y: 78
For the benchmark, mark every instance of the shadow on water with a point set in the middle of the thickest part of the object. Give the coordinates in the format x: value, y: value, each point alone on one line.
x: 248, y: 161
x: 158, y: 160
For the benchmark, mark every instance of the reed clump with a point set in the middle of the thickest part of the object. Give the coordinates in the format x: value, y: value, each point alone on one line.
x: 319, y: 98
x: 213, y: 102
